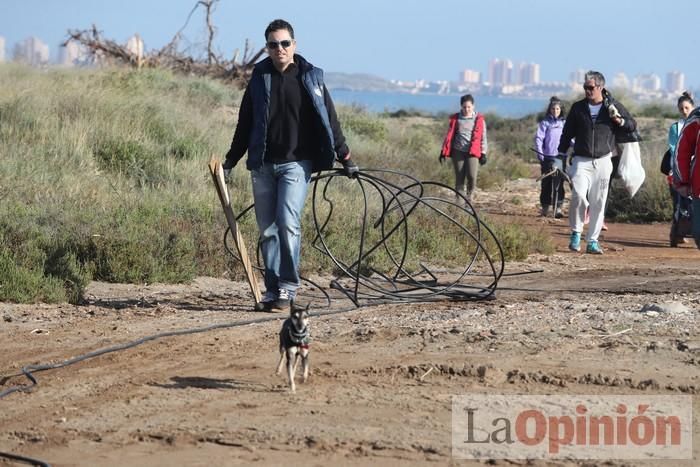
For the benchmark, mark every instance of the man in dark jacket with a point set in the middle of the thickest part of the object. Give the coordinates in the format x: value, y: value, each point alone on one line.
x: 288, y: 125
x: 593, y: 128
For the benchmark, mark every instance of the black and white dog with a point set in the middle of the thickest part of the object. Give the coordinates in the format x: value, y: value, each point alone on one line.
x: 294, y: 343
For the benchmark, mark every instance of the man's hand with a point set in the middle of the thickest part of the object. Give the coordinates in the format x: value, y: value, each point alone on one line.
x: 683, y: 190
x: 227, y: 166
x: 350, y: 168
x: 442, y: 158
x: 619, y: 121
x: 565, y: 158
x: 547, y: 165
x: 482, y: 159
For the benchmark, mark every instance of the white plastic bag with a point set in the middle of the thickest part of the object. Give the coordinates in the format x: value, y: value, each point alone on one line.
x: 630, y: 169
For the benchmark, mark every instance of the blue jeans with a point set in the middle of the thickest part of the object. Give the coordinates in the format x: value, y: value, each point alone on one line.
x: 279, y: 192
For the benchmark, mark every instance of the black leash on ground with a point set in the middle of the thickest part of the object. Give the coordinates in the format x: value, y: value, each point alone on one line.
x: 23, y: 459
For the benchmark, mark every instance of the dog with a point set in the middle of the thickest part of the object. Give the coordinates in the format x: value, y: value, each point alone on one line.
x: 294, y: 343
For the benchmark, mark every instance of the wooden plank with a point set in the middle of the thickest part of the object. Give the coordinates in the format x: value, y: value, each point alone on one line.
x: 217, y: 173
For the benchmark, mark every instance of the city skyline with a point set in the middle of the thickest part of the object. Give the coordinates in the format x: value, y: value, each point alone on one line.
x: 416, y: 41
x: 503, y: 76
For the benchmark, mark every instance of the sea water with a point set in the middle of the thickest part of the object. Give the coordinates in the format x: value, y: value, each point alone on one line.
x: 381, y: 101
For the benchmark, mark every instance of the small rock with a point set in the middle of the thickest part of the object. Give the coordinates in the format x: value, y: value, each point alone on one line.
x: 668, y: 307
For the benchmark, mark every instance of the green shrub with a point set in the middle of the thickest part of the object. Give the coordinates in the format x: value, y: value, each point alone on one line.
x: 657, y: 110
x: 36, y: 266
x: 131, y: 159
x: 186, y: 148
x: 23, y: 285
x: 16, y: 123
x: 63, y: 265
x: 362, y: 123
x: 652, y: 203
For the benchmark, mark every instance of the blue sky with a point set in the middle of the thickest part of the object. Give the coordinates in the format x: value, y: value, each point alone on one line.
x: 408, y: 39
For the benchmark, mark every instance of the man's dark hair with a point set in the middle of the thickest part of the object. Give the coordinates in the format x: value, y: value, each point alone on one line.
x: 466, y: 98
x: 277, y: 25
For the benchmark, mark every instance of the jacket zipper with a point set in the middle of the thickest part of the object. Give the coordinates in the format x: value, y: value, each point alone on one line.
x: 593, y: 133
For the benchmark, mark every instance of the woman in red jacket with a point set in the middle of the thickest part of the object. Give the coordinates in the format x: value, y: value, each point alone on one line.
x: 465, y: 143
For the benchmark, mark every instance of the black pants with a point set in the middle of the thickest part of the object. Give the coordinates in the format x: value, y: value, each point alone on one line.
x: 684, y: 201
x: 550, y: 183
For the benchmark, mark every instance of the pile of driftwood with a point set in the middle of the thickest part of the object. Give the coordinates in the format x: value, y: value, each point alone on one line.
x: 107, y: 52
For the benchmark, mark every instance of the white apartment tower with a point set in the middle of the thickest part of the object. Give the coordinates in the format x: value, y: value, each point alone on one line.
x: 620, y: 81
x: 577, y: 77
x: 72, y: 54
x: 32, y: 51
x: 135, y: 46
x: 469, y: 77
x: 2, y: 49
x: 501, y: 72
x: 529, y: 74
x: 648, y: 82
x: 675, y: 82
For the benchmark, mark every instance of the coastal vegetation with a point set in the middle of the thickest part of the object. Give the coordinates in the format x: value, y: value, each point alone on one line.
x: 103, y: 177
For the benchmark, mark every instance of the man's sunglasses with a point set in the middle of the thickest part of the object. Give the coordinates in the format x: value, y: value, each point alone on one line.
x: 589, y: 88
x: 274, y: 45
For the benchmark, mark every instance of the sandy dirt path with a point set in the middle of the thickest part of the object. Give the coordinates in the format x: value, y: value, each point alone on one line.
x: 382, y: 377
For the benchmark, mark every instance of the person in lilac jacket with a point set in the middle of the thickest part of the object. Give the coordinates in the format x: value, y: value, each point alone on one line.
x: 546, y: 143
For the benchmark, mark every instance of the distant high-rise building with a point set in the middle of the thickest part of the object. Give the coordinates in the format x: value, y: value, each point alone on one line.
x: 620, y: 81
x: 577, y: 76
x: 529, y: 74
x: 72, y: 54
x: 649, y: 82
x: 469, y: 77
x: 2, y: 49
x: 501, y: 72
x: 32, y: 51
x: 135, y: 46
x: 675, y: 82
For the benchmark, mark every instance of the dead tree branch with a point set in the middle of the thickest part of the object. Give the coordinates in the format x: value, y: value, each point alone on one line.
x: 107, y: 52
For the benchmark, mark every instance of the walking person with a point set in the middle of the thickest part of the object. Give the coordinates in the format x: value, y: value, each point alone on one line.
x: 547, y: 139
x: 593, y: 130
x: 685, y: 106
x: 465, y: 143
x: 686, y: 169
x: 288, y: 125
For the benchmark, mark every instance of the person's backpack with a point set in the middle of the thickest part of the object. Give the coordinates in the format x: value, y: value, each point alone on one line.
x: 666, y: 163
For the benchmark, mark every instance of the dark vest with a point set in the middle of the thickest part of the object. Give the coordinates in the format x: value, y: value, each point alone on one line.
x: 260, y: 85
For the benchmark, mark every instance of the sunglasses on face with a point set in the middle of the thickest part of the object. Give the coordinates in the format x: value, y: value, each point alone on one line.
x: 589, y: 88
x: 274, y: 45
